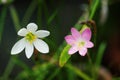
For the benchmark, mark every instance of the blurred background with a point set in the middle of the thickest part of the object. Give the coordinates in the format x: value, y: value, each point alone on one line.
x: 58, y: 17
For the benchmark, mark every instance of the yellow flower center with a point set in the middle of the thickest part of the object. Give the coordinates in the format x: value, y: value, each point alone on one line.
x: 30, y: 37
x: 81, y: 44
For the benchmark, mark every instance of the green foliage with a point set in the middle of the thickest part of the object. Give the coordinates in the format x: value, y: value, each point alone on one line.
x: 100, y: 54
x: 2, y: 20
x: 15, y: 18
x: 29, y: 12
x: 78, y: 72
x: 64, y: 56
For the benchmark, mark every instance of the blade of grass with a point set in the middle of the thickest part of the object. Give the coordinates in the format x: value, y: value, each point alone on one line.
x: 54, y: 74
x: 8, y: 69
x: 78, y: 72
x: 21, y: 64
x: 15, y: 18
x: 71, y: 75
x: 51, y: 18
x: 2, y: 20
x: 39, y: 13
x: 100, y: 54
x: 29, y: 12
x: 11, y: 64
x: 93, y: 8
x: 45, y: 8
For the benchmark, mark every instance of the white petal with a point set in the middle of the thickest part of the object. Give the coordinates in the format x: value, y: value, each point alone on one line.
x: 73, y: 50
x: 32, y: 27
x: 83, y: 51
x: 41, y: 46
x: 22, y: 32
x: 89, y: 44
x: 18, y: 47
x: 29, y: 50
x: 42, y: 33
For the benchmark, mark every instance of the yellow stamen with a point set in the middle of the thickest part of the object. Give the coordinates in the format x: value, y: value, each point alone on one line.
x: 30, y: 37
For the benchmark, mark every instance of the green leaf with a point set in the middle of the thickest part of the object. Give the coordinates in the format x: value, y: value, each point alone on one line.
x: 64, y: 56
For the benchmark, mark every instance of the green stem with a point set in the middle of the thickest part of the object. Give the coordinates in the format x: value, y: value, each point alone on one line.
x: 93, y: 8
x: 78, y: 72
x: 91, y: 65
x: 89, y: 59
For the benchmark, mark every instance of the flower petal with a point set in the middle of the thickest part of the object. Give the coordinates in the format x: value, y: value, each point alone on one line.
x: 32, y: 27
x: 22, y: 32
x: 86, y: 34
x: 73, y: 50
x: 18, y: 47
x: 89, y: 44
x: 42, y: 33
x: 41, y: 46
x: 83, y: 51
x: 76, y: 34
x: 29, y: 50
x: 69, y: 39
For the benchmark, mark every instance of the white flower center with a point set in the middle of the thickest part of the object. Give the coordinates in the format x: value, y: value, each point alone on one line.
x: 30, y: 37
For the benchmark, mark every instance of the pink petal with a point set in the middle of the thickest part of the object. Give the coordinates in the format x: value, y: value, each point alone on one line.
x: 69, y: 39
x: 73, y: 50
x: 83, y: 51
x: 89, y: 44
x: 76, y: 34
x: 86, y: 34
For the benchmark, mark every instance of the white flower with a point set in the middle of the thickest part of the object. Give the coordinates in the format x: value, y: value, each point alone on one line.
x: 31, y: 40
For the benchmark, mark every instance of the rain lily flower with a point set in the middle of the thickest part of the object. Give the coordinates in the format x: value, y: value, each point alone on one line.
x: 31, y: 39
x: 79, y: 41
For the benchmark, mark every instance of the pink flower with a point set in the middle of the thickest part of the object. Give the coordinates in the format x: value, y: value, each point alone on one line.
x: 79, y: 41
